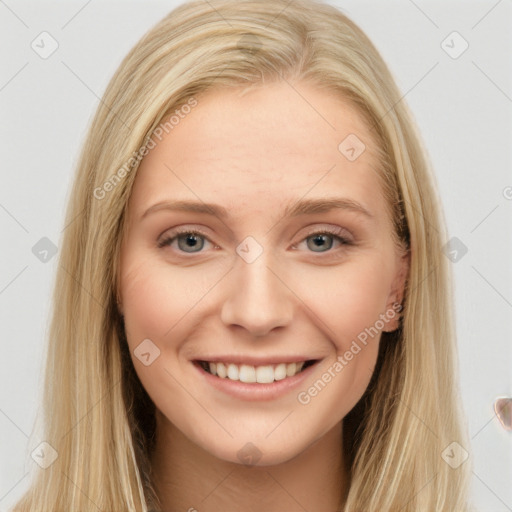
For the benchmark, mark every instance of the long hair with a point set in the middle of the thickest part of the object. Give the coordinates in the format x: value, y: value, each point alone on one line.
x: 96, y: 414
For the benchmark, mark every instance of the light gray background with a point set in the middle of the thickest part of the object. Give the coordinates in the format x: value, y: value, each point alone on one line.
x: 464, y: 110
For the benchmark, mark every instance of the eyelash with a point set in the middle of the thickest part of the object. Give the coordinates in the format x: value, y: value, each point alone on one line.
x: 174, y: 235
x: 334, y: 232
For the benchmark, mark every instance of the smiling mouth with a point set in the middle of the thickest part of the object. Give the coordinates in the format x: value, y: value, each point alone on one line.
x: 254, y: 374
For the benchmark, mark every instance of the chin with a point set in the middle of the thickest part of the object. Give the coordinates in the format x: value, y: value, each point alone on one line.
x: 256, y: 450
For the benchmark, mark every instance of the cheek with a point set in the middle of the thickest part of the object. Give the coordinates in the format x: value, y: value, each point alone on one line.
x: 156, y: 298
x: 146, y: 307
x: 346, y: 302
x: 156, y: 301
x: 348, y: 299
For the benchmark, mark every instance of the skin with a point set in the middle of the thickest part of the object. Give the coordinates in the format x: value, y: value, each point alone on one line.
x: 256, y: 152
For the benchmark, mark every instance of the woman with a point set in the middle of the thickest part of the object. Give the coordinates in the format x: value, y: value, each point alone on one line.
x: 206, y: 352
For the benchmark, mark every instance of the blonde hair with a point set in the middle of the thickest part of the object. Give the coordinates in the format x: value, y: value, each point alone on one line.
x: 97, y: 415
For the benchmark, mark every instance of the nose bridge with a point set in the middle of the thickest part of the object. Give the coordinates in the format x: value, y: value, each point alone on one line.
x: 258, y: 300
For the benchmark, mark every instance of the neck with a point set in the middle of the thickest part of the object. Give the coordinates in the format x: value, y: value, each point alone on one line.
x: 189, y: 479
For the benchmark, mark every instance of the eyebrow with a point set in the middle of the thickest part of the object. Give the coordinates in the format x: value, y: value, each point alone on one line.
x: 302, y: 207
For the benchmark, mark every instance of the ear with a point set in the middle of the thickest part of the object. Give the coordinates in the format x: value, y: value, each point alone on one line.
x: 119, y: 303
x: 397, y: 291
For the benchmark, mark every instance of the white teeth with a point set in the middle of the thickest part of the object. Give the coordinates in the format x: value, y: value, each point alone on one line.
x: 247, y: 373
x: 290, y: 369
x: 233, y: 372
x: 262, y: 374
x: 221, y: 370
x: 280, y: 371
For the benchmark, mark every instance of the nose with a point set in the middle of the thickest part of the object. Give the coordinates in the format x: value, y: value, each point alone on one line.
x: 259, y: 299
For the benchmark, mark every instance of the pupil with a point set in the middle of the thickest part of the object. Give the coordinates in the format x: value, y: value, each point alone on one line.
x: 189, y: 241
x: 320, y: 241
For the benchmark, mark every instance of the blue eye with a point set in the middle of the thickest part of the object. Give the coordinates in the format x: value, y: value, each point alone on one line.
x: 188, y: 239
x: 192, y: 241
x: 321, y: 241
x: 325, y: 240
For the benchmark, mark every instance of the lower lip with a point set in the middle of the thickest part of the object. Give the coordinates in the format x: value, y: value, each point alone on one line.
x: 256, y: 391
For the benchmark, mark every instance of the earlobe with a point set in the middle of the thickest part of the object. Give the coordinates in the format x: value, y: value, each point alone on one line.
x: 119, y: 305
x: 401, y: 277
x: 396, y: 296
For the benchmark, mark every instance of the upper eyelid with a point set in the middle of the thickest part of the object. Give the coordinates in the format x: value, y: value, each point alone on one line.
x: 311, y: 229
x: 178, y: 231
x: 334, y: 231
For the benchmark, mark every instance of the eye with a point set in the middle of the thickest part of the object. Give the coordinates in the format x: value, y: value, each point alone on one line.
x: 193, y: 240
x: 323, y: 240
x: 187, y: 239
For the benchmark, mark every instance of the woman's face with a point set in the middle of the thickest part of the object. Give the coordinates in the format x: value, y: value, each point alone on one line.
x: 273, y: 283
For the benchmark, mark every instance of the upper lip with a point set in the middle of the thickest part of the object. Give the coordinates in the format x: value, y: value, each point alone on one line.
x: 255, y: 361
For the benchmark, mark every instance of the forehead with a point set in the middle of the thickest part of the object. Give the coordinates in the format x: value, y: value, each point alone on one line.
x: 260, y: 149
